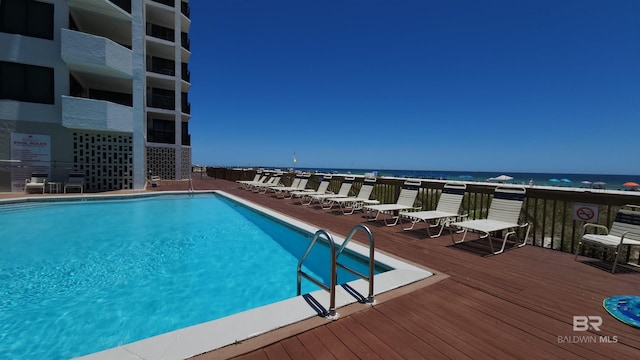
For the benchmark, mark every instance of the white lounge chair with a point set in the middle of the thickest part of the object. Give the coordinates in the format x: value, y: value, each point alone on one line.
x: 255, y: 180
x: 38, y: 181
x: 348, y: 205
x: 248, y: 184
x: 343, y: 192
x: 284, y: 192
x: 625, y: 231
x: 304, y: 195
x: 503, y: 215
x: 446, y: 211
x: 405, y: 201
x: 263, y: 187
x: 75, y: 181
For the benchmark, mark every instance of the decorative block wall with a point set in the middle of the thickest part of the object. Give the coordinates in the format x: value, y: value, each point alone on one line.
x: 186, y: 162
x: 105, y: 158
x: 161, y: 162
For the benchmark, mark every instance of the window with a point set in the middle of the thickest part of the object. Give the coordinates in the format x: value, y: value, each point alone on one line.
x: 28, y: 83
x: 27, y: 17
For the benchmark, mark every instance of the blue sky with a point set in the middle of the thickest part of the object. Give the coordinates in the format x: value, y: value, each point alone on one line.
x: 466, y: 85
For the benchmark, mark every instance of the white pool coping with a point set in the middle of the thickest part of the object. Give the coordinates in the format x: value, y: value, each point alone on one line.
x: 198, y: 339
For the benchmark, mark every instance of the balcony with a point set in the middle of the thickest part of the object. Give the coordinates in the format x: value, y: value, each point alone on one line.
x: 161, y: 66
x: 98, y: 115
x: 161, y: 101
x: 186, y: 74
x: 123, y: 4
x: 160, y: 32
x: 184, y: 37
x: 185, y: 9
x: 96, y: 55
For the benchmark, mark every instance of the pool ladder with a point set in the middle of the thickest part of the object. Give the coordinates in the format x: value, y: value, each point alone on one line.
x: 335, y: 254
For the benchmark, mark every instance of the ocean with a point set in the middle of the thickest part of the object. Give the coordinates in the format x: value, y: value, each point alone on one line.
x: 610, y: 182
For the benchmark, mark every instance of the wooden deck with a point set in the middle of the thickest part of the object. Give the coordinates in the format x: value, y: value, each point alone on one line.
x: 519, y: 304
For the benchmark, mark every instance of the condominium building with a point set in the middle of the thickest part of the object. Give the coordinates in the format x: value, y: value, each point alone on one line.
x: 94, y: 86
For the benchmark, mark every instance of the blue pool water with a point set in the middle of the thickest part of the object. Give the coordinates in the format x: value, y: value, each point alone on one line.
x: 80, y: 277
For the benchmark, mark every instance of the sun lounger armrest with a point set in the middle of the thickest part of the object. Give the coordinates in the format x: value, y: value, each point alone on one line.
x: 624, y: 234
x: 588, y: 226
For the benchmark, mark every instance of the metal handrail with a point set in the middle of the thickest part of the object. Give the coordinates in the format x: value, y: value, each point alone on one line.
x: 331, y: 313
x: 370, y: 299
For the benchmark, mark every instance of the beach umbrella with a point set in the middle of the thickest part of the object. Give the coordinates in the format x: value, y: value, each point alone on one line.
x: 465, y: 177
x: 554, y: 180
x: 565, y: 180
x: 502, y: 178
x: 586, y: 182
x: 631, y: 184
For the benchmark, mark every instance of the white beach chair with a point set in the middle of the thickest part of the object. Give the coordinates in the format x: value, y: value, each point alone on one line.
x: 503, y: 215
x: 299, y: 184
x: 263, y: 187
x: 625, y: 231
x: 38, y: 181
x: 446, y: 211
x: 304, y: 195
x: 348, y: 205
x: 406, y: 200
x: 345, y: 187
x: 75, y: 181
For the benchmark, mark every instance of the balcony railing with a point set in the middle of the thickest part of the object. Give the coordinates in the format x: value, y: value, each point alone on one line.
x: 161, y: 101
x: 186, y: 43
x: 161, y: 66
x: 123, y: 4
x: 186, y: 74
x: 186, y: 107
x: 185, y: 9
x: 165, y: 2
x: 160, y: 32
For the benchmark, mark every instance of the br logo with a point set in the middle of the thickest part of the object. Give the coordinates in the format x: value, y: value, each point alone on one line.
x: 584, y: 323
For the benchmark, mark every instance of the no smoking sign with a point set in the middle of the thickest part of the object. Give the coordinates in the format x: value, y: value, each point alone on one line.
x: 585, y: 212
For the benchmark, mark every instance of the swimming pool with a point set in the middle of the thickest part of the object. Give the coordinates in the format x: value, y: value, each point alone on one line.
x: 78, y: 281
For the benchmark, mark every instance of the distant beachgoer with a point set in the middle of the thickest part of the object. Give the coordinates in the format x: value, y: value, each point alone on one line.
x: 530, y: 182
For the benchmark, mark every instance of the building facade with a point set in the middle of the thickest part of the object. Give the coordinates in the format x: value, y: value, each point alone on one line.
x: 94, y: 86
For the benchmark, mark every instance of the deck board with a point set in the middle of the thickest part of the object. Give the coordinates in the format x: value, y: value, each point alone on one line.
x: 513, y: 305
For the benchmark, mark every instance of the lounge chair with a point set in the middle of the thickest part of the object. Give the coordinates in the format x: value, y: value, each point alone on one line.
x: 298, y: 184
x: 503, y: 215
x: 75, y: 181
x: 304, y: 195
x: 348, y: 205
x: 263, y: 187
x: 38, y: 182
x: 446, y: 211
x: 405, y: 201
x: 249, y: 183
x: 625, y: 231
x: 343, y: 192
x: 244, y: 182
